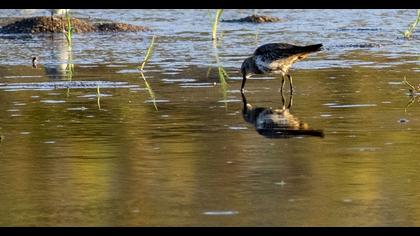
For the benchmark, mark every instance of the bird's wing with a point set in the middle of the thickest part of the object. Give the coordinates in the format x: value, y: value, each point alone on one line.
x: 276, y: 51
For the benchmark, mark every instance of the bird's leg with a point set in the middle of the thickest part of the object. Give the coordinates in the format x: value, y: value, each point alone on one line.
x: 243, y: 83
x: 282, y: 99
x: 291, y: 83
x: 282, y: 84
x: 290, y: 101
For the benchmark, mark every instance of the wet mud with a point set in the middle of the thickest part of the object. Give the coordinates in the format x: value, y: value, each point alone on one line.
x: 43, y: 24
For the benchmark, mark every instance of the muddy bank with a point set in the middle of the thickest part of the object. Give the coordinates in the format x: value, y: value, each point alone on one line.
x: 255, y: 19
x: 43, y: 24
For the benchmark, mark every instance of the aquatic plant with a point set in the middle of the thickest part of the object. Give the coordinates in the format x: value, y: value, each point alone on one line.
x: 148, y: 53
x: 215, y: 23
x: 69, y: 30
x: 223, y: 84
x: 98, y: 95
x: 141, y: 67
x: 222, y: 75
x: 409, y: 32
x: 69, y: 71
x: 411, y: 89
x: 149, y: 89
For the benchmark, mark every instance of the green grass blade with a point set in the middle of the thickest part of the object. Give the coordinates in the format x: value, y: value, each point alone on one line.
x: 98, y: 95
x: 149, y: 89
x: 409, y: 32
x: 215, y: 23
x: 408, y: 84
x: 223, y: 76
x: 69, y: 71
x: 69, y: 30
x: 141, y: 67
x: 148, y: 53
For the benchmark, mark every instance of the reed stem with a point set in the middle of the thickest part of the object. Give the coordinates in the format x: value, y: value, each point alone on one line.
x: 141, y: 67
x: 148, y: 53
x: 215, y: 23
x: 409, y: 32
x: 69, y: 31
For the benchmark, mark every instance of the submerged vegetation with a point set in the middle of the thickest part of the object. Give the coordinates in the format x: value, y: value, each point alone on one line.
x: 69, y: 70
x: 223, y: 84
x: 409, y: 32
x: 413, y: 92
x: 223, y: 76
x: 141, y: 67
x: 221, y: 72
x: 411, y: 89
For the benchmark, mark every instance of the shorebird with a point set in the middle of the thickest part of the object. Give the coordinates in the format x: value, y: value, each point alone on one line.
x: 276, y: 58
x: 57, y: 12
x: 34, y: 60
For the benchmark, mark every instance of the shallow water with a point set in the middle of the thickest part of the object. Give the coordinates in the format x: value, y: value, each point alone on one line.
x: 183, y: 154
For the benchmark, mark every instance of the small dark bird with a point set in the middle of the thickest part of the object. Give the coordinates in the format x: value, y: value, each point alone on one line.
x: 276, y: 58
x: 34, y: 60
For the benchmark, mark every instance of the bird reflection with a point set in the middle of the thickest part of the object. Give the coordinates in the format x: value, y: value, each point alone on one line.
x: 59, y: 61
x: 277, y: 123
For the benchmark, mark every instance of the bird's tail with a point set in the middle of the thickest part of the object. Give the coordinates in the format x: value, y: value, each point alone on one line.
x: 312, y: 48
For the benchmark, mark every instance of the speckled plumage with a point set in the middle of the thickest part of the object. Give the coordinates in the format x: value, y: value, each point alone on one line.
x: 276, y: 58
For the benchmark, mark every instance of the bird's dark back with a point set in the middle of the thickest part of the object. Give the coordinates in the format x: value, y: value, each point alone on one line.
x: 285, y: 49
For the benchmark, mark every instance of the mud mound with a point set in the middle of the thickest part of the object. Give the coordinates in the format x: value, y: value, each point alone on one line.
x: 43, y: 24
x: 255, y: 19
x: 118, y: 27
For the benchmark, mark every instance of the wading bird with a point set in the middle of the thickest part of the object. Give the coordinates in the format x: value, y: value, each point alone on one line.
x: 34, y: 60
x: 58, y: 12
x: 276, y: 58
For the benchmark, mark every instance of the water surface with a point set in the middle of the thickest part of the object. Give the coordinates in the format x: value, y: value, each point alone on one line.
x: 184, y: 155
